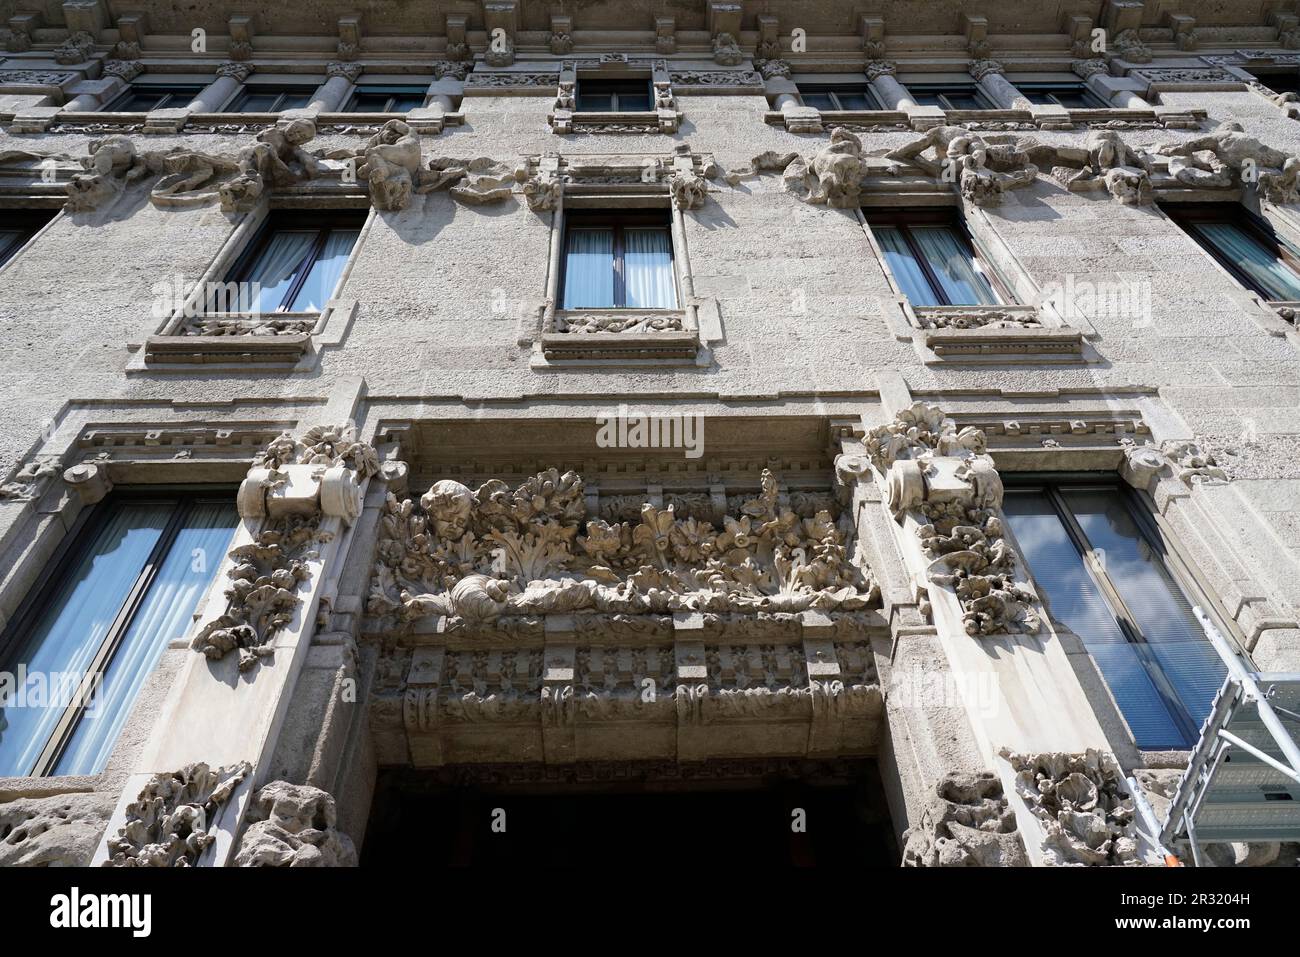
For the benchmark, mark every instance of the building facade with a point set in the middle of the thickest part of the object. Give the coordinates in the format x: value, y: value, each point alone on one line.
x: 829, y: 425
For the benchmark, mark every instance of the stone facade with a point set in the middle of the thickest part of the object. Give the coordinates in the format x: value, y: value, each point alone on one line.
x: 443, y: 560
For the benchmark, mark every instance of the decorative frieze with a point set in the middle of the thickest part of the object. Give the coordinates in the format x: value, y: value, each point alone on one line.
x: 983, y: 169
x: 493, y: 552
x: 173, y: 821
x: 967, y: 823
x: 1236, y: 158
x: 1083, y: 806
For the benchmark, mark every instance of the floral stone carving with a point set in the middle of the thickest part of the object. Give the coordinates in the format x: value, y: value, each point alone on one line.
x: 947, y: 480
x: 1083, y: 805
x: 966, y: 824
x: 173, y: 821
x: 293, y: 825
x: 495, y: 551
x: 295, y: 482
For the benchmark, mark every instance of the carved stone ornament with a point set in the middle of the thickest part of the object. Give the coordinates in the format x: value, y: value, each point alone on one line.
x: 688, y: 189
x: 1127, y: 45
x: 62, y: 830
x: 293, y: 825
x: 979, y: 69
x: 831, y: 176
x: 1104, y: 162
x: 966, y: 824
x: 1228, y: 157
x: 75, y: 49
x: 773, y: 69
x: 726, y: 51
x: 1083, y: 805
x: 479, y: 555
x: 30, y: 481
x: 294, y: 484
x: 946, y: 479
x: 173, y: 821
x: 1188, y: 460
x: 875, y: 69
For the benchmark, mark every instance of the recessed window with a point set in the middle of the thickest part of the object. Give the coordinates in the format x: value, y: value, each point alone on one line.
x: 1245, y: 245
x: 1284, y: 81
x: 17, y: 227
x: 294, y: 264
x: 614, y: 96
x: 950, y: 96
x: 838, y: 97
x: 127, y: 585
x: 618, y: 261
x: 386, y: 99
x: 933, y: 260
x: 1102, y: 566
x: 266, y: 98
x: 1072, y: 96
x: 143, y: 97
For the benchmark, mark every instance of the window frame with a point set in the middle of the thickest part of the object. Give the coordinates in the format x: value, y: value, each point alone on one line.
x: 833, y: 90
x: 389, y: 88
x: 1266, y: 75
x: 136, y: 89
x: 902, y: 218
x: 283, y: 90
x: 1050, y: 88
x: 615, y: 107
x: 617, y: 221
x: 941, y: 91
x: 70, y: 551
x: 1186, y: 216
x: 1158, y: 538
x: 28, y: 222
x: 324, y: 221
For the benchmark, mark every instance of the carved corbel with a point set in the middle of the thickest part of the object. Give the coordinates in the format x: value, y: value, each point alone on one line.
x: 977, y: 37
x: 241, y: 38
x: 665, y: 35
x: 501, y: 21
x: 349, y: 46
x: 769, y: 38
x: 873, y: 37
x: 1188, y: 460
x: 130, y: 33
x: 457, y: 41
x: 90, y: 481
x: 724, y: 28
x: 561, y: 42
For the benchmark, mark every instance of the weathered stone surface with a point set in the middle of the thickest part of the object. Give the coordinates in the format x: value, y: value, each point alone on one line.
x: 58, y: 831
x: 293, y: 825
x: 966, y: 824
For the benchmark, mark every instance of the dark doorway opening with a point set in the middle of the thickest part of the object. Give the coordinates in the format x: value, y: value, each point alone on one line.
x: 461, y: 817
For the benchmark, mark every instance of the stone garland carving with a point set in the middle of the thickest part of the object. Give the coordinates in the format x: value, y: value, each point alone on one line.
x: 949, y: 480
x: 495, y: 551
x: 975, y: 318
x: 1189, y: 461
x: 173, y: 821
x: 199, y: 326
x: 966, y: 824
x: 494, y: 80
x: 616, y: 322
x: 1083, y: 805
x: 293, y: 825
x: 266, y: 574
x: 36, y: 77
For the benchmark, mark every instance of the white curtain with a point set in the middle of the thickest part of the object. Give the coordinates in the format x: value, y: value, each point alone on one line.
x: 589, y: 269
x: 907, y: 271
x: 954, y: 266
x: 278, y: 266
x: 325, y: 271
x: 648, y: 269
x: 1254, y: 259
x: 162, y: 617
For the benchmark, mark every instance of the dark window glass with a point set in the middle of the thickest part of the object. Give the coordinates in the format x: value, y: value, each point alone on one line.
x: 840, y: 97
x: 143, y: 97
x: 17, y: 227
x: 271, y: 99
x: 386, y: 99
x: 933, y: 260
x: 1287, y: 82
x: 623, y: 261
x: 1073, y: 96
x: 126, y: 587
x: 1245, y: 245
x: 614, y: 96
x: 1104, y: 574
x: 295, y: 263
x: 949, y: 96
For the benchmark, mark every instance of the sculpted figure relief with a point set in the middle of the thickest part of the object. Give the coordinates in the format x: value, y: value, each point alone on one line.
x: 1227, y: 156
x: 982, y: 167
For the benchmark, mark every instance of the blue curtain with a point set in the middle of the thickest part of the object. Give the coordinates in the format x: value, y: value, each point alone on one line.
x: 648, y: 268
x: 1254, y: 259
x: 325, y: 271
x: 951, y: 261
x: 589, y: 269
x: 73, y: 626
x: 163, y: 616
x: 902, y: 263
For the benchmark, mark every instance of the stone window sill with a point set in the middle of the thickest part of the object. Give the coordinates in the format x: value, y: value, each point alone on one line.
x: 811, y: 120
x: 39, y: 120
x: 985, y: 333
x: 237, y: 340
x: 621, y: 336
x: 652, y: 121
